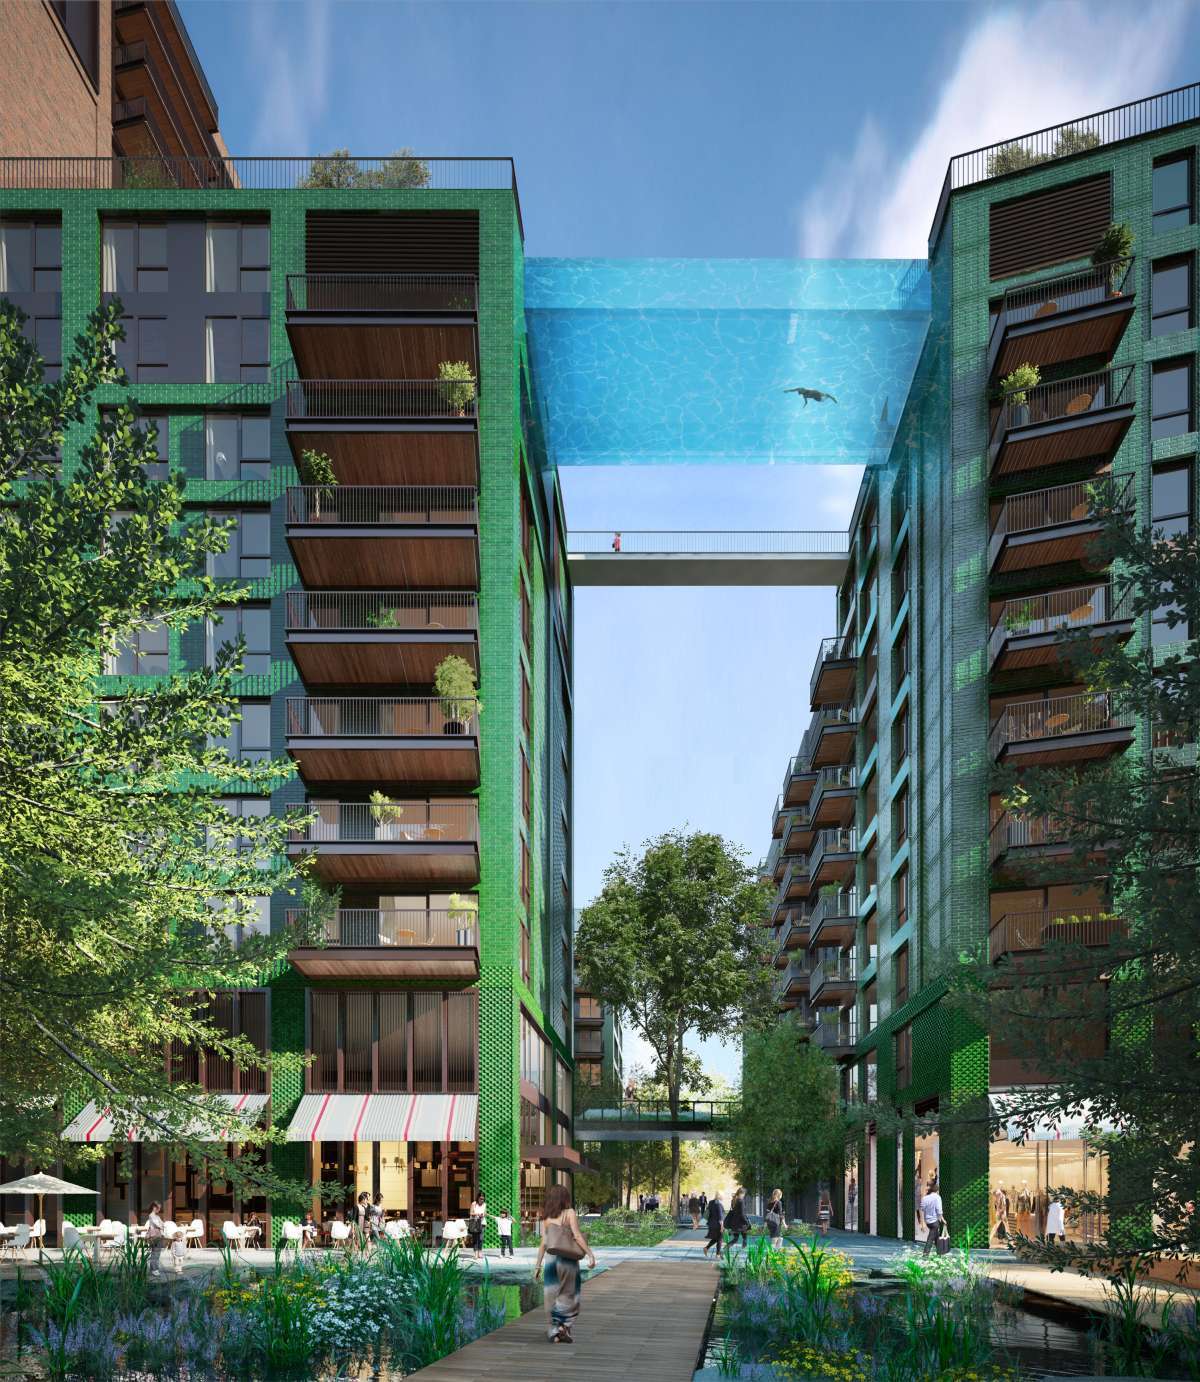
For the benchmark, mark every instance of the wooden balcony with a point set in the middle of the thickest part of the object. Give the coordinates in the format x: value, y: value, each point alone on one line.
x: 1018, y: 933
x: 795, y: 979
x: 798, y: 782
x: 834, y: 919
x: 834, y: 857
x: 1076, y: 316
x: 795, y: 883
x: 793, y: 930
x: 381, y: 326
x: 379, y: 637
x: 834, y: 730
x: 1078, y: 419
x: 434, y: 842
x: 833, y: 983
x: 837, y: 1034
x: 369, y: 943
x: 383, y: 739
x: 779, y: 819
x: 1060, y: 729
x: 798, y: 835
x: 1053, y: 527
x: 834, y: 797
x: 386, y: 431
x: 832, y: 681
x: 385, y: 536
x: 1030, y: 630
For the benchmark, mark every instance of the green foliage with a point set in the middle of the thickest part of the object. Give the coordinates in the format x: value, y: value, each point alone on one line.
x: 385, y: 811
x: 454, y: 682
x: 457, y: 384
x: 1014, y: 385
x: 464, y: 907
x: 1014, y: 157
x: 627, y: 1228
x: 1073, y: 140
x: 1115, y: 243
x: 122, y: 883
x: 338, y: 171
x: 315, y: 468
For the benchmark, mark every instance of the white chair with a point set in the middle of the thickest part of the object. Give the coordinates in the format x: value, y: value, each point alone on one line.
x: 72, y: 1242
x: 170, y: 1229
x: 234, y: 1234
x: 20, y: 1239
x: 293, y: 1237
x: 105, y: 1225
x: 397, y: 1228
x: 120, y: 1234
x: 193, y: 1236
x: 37, y: 1235
x: 339, y: 1233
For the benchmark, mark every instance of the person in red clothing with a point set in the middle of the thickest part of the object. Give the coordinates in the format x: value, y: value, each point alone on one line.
x: 616, y: 542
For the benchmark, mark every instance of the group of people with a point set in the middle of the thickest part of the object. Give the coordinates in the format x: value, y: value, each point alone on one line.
x: 368, y: 1217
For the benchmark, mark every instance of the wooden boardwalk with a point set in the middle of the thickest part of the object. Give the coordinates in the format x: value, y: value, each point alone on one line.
x: 641, y: 1320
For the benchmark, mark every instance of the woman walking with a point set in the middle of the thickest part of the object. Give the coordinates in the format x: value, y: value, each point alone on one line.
x: 476, y: 1219
x: 774, y: 1218
x: 736, y: 1223
x: 562, y: 1247
x: 824, y: 1213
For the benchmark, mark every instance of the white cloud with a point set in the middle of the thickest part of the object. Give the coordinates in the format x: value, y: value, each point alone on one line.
x: 1018, y: 70
x: 292, y: 47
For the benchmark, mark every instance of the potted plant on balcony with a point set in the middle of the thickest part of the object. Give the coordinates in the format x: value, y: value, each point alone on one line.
x: 316, y: 472
x: 457, y: 385
x: 387, y: 815
x: 1018, y: 616
x: 1113, y: 251
x: 464, y: 917
x: 454, y: 682
x: 1014, y: 389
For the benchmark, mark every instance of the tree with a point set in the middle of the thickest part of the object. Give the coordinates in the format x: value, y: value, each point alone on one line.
x: 1128, y: 966
x: 674, y: 946
x: 123, y: 879
x: 789, y: 1131
x: 339, y: 170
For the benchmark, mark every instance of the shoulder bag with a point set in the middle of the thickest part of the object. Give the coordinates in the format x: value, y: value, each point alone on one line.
x: 561, y: 1242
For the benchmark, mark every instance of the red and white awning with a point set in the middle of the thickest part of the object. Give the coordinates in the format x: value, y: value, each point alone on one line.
x: 95, y: 1124
x: 385, y: 1118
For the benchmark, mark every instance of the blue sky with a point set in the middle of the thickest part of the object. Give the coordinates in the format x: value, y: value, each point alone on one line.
x: 684, y: 129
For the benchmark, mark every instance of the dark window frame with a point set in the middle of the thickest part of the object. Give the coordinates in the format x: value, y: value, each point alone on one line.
x: 1156, y: 213
x: 1186, y: 363
x: 1174, y: 261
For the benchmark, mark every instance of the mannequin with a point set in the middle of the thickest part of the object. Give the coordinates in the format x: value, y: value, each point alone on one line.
x: 1025, y: 1209
x: 1000, y: 1206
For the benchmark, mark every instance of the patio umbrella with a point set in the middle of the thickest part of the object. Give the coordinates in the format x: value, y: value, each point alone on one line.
x: 40, y: 1184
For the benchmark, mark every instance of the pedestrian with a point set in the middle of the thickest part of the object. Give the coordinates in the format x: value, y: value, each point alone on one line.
x: 362, y: 1216
x: 852, y: 1204
x: 309, y: 1230
x: 694, y: 1209
x: 641, y: 1204
x: 824, y: 1213
x: 475, y: 1224
x: 716, y: 1225
x: 562, y: 1248
x: 774, y: 1218
x: 616, y: 542
x: 933, y: 1217
x: 703, y: 1204
x: 736, y: 1224
x: 375, y: 1216
x: 1056, y: 1221
x: 504, y: 1227
x: 155, y: 1235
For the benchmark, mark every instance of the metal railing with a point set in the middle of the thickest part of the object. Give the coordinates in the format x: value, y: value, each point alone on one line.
x: 133, y: 109
x: 796, y: 815
x: 1024, y: 931
x: 774, y: 856
x: 834, y: 776
x: 1081, y: 607
x: 368, y: 927
x: 795, y: 924
x: 1061, y: 293
x: 1084, y: 712
x: 382, y: 400
x: 1135, y: 118
x: 833, y: 840
x: 1015, y: 832
x: 659, y: 1110
x: 382, y: 292
x: 843, y: 971
x: 644, y: 542
x: 796, y: 872
x: 377, y: 717
x: 830, y: 1035
x: 839, y: 648
x: 1064, y: 398
x: 156, y: 14
x: 1048, y: 508
x: 797, y: 973
x: 397, y: 822
x: 842, y: 906
x: 381, y: 611
x: 393, y: 505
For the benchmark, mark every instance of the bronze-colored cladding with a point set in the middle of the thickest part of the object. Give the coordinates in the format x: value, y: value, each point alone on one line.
x: 1090, y: 436
x: 1048, y: 227
x: 343, y: 348
x: 453, y: 762
x: 1055, y: 340
x: 415, y: 558
x: 1058, y: 546
x: 374, y: 456
x: 458, y: 962
x: 439, y: 865
x: 379, y: 659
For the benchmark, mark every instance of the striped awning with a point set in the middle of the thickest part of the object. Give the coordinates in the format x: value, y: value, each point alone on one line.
x: 95, y: 1124
x: 385, y: 1118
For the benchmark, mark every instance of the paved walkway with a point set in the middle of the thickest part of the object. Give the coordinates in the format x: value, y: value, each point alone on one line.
x: 642, y: 1320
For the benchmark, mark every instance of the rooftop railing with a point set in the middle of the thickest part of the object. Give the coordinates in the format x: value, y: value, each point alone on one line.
x: 380, y: 400
x: 1062, y: 293
x: 1056, y: 717
x: 646, y: 542
x: 368, y: 927
x: 377, y: 717
x: 1048, y: 508
x: 1081, y: 607
x: 1147, y: 116
x: 382, y: 292
x: 394, y: 505
x: 397, y: 822
x: 381, y: 611
x: 1024, y: 931
x: 1065, y: 398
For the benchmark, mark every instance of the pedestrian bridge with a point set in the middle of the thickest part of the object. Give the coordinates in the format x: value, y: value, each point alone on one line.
x: 651, y: 1120
x: 707, y: 557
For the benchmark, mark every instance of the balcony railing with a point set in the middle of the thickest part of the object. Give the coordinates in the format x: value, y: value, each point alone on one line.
x: 842, y: 906
x: 1085, y: 712
x: 376, y: 717
x: 381, y: 611
x: 842, y: 971
x: 1016, y: 832
x: 830, y: 1035
x: 380, y: 400
x: 1081, y: 607
x: 1063, y: 293
x: 835, y: 776
x: 834, y: 840
x: 367, y: 927
x: 393, y: 505
x: 839, y: 648
x: 382, y: 293
x: 400, y: 822
x: 1160, y: 112
x: 644, y: 542
x: 1025, y: 931
x: 1063, y: 399
x: 1048, y: 508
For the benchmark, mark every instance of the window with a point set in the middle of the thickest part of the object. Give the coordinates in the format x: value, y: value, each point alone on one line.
x: 902, y: 1052
x: 900, y: 974
x: 1170, y: 516
x: 237, y: 350
x: 236, y: 1013
x: 30, y: 257
x: 249, y: 739
x: 900, y: 660
x: 247, y: 808
x: 160, y: 425
x: 526, y: 961
x: 81, y: 22
x: 248, y: 555
x: 391, y: 1042
x: 526, y: 787
x: 900, y: 817
x: 1171, y: 295
x: 900, y: 738
x: 900, y: 578
x: 1171, y: 398
x: 252, y: 623
x: 237, y: 257
x: 526, y: 618
x: 134, y: 257
x: 526, y: 700
x: 588, y: 1007
x: 237, y: 446
x: 900, y: 898
x: 144, y: 654
x: 1171, y: 193
x: 526, y: 872
x: 526, y: 528
x: 47, y: 337
x: 870, y: 868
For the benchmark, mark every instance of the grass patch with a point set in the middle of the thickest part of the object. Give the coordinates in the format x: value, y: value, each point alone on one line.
x: 623, y: 1228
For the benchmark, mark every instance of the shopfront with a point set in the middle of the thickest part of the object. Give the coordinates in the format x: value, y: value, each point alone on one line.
x: 926, y: 1173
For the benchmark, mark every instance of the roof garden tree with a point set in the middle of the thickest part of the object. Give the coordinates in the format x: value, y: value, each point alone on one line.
x: 1113, y: 990
x: 124, y: 882
x: 673, y: 944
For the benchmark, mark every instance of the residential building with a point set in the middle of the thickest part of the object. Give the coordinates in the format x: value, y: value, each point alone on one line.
x: 597, y: 1042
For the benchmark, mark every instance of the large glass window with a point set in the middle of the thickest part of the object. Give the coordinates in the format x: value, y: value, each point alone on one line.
x: 30, y: 257
x: 1170, y: 516
x: 248, y: 555
x: 253, y: 623
x: 392, y: 1042
x: 1171, y: 193
x: 1171, y: 398
x: 237, y: 446
x: 237, y: 257
x: 144, y: 653
x: 236, y: 350
x: 249, y: 738
x: 1171, y: 295
x: 134, y: 257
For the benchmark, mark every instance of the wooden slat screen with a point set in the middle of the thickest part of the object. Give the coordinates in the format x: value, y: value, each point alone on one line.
x: 1048, y: 227
x: 394, y: 242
